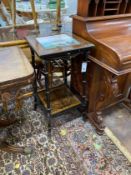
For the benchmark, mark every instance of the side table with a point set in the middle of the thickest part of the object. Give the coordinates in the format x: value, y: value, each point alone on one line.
x: 64, y: 47
x: 15, y: 73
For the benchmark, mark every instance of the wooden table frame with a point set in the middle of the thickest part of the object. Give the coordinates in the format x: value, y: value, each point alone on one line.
x: 65, y: 55
x: 14, y: 81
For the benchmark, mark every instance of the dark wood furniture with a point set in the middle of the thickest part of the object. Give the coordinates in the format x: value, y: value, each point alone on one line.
x: 58, y: 99
x: 92, y: 8
x: 109, y: 73
x: 16, y: 72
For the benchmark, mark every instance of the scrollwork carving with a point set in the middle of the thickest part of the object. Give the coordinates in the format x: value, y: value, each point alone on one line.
x: 115, y: 87
x: 7, y: 97
x: 97, y: 120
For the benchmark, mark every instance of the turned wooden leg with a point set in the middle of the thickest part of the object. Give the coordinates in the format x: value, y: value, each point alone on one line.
x: 34, y: 14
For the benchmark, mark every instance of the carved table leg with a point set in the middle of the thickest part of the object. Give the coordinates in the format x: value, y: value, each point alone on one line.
x: 94, y: 112
x: 97, y: 120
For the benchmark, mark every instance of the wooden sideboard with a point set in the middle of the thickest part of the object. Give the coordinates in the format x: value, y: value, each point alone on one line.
x: 109, y: 73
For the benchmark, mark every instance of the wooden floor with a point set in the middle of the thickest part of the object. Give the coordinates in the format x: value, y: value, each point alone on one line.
x: 118, y: 127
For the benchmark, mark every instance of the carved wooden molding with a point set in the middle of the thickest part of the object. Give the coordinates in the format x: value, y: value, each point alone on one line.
x: 114, y: 85
x: 8, y: 96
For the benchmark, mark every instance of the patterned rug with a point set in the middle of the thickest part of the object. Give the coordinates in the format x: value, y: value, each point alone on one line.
x: 75, y: 148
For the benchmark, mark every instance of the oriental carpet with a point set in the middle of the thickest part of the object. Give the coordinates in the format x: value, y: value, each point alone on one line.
x: 75, y: 148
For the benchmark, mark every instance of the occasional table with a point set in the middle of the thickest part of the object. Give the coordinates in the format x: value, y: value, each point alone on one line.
x: 64, y: 47
x: 15, y: 73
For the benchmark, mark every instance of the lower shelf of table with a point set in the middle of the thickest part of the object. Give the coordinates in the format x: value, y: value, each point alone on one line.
x: 61, y: 99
